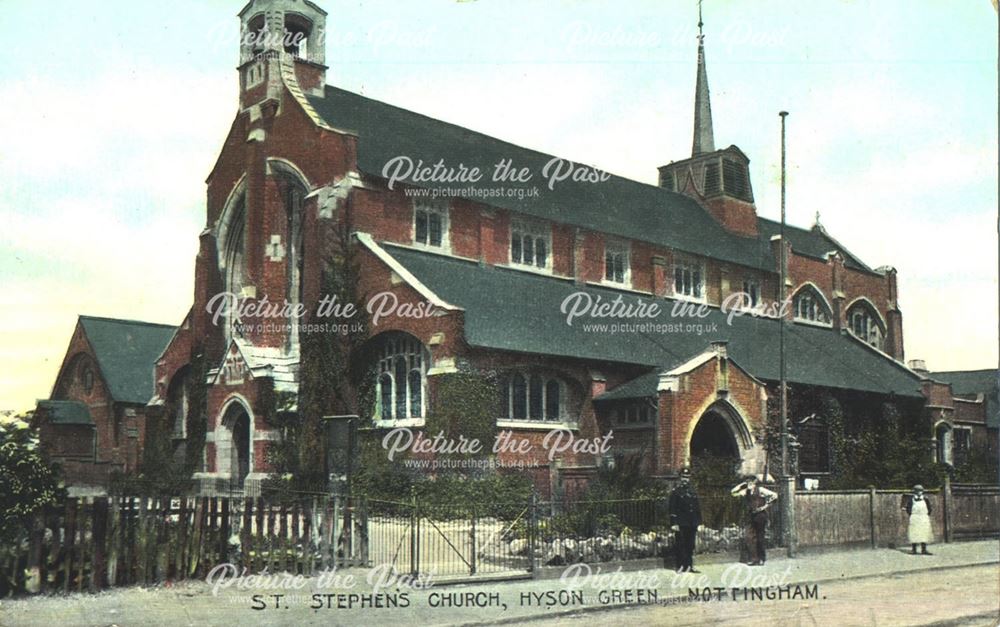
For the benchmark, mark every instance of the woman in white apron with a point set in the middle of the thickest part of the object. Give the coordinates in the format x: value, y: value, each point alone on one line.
x: 918, y: 508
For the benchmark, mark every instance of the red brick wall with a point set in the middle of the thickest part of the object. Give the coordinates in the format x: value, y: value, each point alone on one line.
x: 111, y: 424
x: 735, y: 215
x: 969, y: 411
x: 937, y: 394
x: 698, y: 390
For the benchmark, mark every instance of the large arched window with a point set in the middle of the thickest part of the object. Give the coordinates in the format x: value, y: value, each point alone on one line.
x: 294, y: 199
x: 233, y: 235
x: 532, y: 396
x: 178, y: 404
x: 401, y: 385
x: 865, y: 323
x: 810, y: 306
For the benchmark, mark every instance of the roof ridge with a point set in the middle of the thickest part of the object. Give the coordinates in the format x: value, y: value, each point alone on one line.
x: 126, y: 321
x: 509, y: 143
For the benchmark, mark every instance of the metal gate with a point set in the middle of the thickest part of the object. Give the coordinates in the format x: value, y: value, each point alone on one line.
x: 450, y: 541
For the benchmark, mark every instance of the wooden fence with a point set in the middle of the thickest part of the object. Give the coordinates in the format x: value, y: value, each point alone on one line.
x: 876, y: 518
x: 94, y: 543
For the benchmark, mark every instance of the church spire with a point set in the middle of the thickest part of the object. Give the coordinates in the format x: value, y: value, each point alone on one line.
x: 704, y: 140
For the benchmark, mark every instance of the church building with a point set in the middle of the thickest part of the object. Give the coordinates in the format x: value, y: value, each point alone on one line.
x: 501, y: 266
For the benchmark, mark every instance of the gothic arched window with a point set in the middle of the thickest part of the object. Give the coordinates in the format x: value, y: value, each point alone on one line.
x: 865, y: 323
x: 810, y: 306
x: 178, y: 404
x: 401, y: 384
x: 234, y: 262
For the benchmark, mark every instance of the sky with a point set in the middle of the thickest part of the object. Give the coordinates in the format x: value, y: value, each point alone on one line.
x: 114, y: 113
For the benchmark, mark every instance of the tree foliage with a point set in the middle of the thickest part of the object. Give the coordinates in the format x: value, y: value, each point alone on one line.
x: 28, y: 482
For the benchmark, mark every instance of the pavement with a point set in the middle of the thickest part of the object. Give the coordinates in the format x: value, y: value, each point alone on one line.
x: 349, y: 597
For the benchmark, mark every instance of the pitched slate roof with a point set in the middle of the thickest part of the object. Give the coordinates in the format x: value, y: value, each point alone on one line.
x: 126, y: 351
x: 66, y: 412
x: 619, y: 206
x: 814, y: 242
x: 640, y: 387
x: 970, y: 383
x: 519, y: 311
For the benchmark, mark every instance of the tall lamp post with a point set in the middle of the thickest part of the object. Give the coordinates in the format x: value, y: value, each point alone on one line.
x: 787, y: 478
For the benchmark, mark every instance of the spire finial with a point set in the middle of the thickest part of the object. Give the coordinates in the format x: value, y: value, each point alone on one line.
x: 704, y: 140
x: 701, y: 35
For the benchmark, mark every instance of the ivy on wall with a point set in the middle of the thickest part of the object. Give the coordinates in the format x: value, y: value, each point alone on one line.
x: 883, y: 444
x: 167, y: 464
x: 328, y: 379
x: 466, y: 403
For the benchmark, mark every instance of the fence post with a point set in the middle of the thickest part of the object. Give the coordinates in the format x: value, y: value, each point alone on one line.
x: 871, y: 514
x: 532, y: 526
x: 472, y: 537
x: 414, y: 535
x: 946, y: 498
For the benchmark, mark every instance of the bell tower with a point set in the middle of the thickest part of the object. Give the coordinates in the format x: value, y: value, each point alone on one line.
x: 277, y: 34
x: 719, y: 179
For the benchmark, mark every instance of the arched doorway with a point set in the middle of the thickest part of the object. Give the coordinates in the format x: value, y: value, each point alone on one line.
x: 942, y: 438
x: 721, y: 439
x: 241, y: 447
x: 713, y: 437
x: 234, y: 439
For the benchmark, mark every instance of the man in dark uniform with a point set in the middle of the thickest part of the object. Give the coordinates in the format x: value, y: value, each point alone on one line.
x: 685, y: 518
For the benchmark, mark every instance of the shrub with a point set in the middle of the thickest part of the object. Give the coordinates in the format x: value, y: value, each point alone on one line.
x: 27, y: 481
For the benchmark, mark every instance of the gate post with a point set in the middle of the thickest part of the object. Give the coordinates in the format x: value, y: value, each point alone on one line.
x: 871, y: 514
x: 946, y: 504
x: 364, y: 532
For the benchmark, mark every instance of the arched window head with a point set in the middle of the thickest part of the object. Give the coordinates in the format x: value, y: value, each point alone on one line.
x: 810, y: 306
x: 234, y: 257
x: 401, y: 380
x: 532, y: 397
x: 865, y: 323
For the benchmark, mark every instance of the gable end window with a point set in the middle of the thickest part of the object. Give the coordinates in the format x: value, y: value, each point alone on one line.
x: 864, y: 323
x: 809, y: 306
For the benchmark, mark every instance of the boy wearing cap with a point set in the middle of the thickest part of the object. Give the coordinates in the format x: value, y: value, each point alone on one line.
x: 757, y: 499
